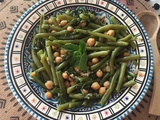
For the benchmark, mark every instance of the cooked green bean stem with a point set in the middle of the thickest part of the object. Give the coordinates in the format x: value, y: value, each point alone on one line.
x: 97, y: 65
x: 46, y: 65
x: 111, y: 27
x: 63, y: 106
x: 129, y: 83
x: 118, y: 43
x: 121, y: 77
x: 61, y: 83
x: 99, y: 54
x: 128, y: 58
x: 112, y: 59
x: 45, y: 35
x: 41, y: 22
x: 95, y: 34
x: 76, y: 96
x: 126, y: 38
x: 100, y: 48
x: 110, y: 89
x: 51, y: 61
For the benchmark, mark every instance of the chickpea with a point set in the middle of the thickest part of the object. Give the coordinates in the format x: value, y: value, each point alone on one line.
x: 83, y: 24
x: 58, y: 59
x: 95, y: 86
x: 32, y: 74
x: 72, y: 83
x: 54, y: 47
x: 126, y: 54
x: 63, y: 23
x: 110, y: 32
x: 67, y: 84
x: 48, y: 95
x: 108, y: 68
x: 49, y: 84
x: 65, y: 75
x: 91, y: 42
x: 53, y: 31
x: 50, y: 21
x: 56, y: 54
x: 72, y: 76
x: 95, y: 60
x: 102, y: 90
x: 99, y: 73
x: 106, y: 84
x: 76, y: 69
x: 85, y: 91
x: 70, y: 29
x: 63, y: 52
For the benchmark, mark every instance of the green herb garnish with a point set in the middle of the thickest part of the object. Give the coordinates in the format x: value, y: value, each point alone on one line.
x: 78, y: 55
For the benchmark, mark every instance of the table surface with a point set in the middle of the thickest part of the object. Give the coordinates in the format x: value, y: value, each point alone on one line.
x: 10, y: 11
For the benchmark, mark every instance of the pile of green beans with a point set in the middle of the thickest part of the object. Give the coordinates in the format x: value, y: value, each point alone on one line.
x: 110, y: 50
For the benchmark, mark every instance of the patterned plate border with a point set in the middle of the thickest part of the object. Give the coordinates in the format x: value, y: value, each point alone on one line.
x: 39, y: 108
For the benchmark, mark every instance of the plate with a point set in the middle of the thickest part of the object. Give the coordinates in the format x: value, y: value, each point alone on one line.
x: 29, y: 94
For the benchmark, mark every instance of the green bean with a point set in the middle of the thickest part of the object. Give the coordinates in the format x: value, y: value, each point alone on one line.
x: 131, y: 73
x: 86, y: 102
x: 126, y: 38
x: 92, y: 96
x: 104, y: 79
x: 98, y: 54
x: 51, y: 61
x: 46, y: 65
x: 128, y: 58
x: 51, y: 27
x: 105, y: 97
x: 84, y: 79
x: 128, y: 77
x: 95, y: 34
x: 63, y: 64
x: 39, y: 70
x: 52, y: 43
x: 110, y: 27
x: 110, y: 89
x: 75, y: 104
x: 76, y: 96
x: 129, y: 83
x: 55, y: 21
x: 118, y: 43
x: 93, y: 25
x: 112, y: 59
x: 41, y: 22
x: 133, y: 45
x: 121, y: 77
x: 33, y: 66
x: 97, y: 65
x: 114, y: 20
x: 73, y: 21
x: 64, y: 17
x: 123, y: 33
x: 44, y: 35
x: 71, y: 36
x: 74, y: 87
x: 67, y: 41
x: 63, y: 106
x: 61, y: 83
x: 36, y: 60
x: 36, y: 79
x: 100, y: 48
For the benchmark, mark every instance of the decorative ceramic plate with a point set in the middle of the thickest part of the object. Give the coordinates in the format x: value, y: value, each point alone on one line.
x: 30, y: 95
